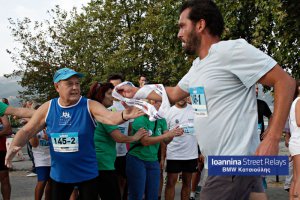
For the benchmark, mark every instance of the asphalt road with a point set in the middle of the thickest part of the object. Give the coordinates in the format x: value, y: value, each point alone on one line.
x: 23, y: 186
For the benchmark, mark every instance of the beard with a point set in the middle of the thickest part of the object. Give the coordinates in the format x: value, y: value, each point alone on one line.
x: 192, y: 43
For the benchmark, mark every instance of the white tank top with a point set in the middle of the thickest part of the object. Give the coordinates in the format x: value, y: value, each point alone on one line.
x: 295, y: 130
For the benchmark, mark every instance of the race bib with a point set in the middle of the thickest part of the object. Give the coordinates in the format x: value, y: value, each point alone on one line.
x: 65, y: 142
x: 199, y: 101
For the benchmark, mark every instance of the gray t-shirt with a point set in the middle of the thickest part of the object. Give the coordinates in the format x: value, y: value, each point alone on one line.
x: 222, y: 86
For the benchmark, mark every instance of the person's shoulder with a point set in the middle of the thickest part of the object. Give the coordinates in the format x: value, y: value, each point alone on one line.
x: 228, y: 44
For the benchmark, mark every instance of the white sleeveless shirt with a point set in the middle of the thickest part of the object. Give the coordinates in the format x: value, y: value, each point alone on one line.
x: 295, y: 130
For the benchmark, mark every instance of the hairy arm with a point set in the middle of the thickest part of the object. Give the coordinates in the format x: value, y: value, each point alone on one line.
x: 284, y: 87
x: 174, y: 93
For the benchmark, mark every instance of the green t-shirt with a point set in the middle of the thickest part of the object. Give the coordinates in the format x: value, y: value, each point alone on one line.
x: 105, y: 146
x: 147, y: 153
x: 3, y: 108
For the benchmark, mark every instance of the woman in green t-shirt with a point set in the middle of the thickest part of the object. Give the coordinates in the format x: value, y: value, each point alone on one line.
x: 105, y: 137
x: 142, y: 166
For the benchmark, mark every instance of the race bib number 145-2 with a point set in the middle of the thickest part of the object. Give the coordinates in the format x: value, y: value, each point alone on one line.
x: 198, y: 101
x: 65, y: 142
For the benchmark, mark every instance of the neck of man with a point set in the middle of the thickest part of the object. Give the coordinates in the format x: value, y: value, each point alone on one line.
x: 66, y: 103
x: 206, y: 42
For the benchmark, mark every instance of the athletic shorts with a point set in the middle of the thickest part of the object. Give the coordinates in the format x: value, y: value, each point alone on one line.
x: 231, y: 187
x: 176, y: 166
x: 88, y: 190
x: 43, y: 173
x: 294, y: 149
x: 2, y: 161
x: 120, y: 165
x: 108, y: 186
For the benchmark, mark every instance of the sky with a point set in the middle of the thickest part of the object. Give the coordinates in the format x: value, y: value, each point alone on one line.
x: 36, y: 10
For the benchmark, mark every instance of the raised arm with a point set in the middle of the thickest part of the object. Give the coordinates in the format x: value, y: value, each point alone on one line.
x: 101, y: 114
x: 34, y: 125
x: 284, y: 87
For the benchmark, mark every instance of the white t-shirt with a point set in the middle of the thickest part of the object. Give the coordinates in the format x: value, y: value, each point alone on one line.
x: 121, y: 147
x: 41, y: 153
x: 183, y: 147
x: 225, y: 81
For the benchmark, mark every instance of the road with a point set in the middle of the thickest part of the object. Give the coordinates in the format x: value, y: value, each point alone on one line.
x: 23, y: 186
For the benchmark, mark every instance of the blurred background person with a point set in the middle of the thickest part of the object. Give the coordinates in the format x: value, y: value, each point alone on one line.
x: 5, y: 129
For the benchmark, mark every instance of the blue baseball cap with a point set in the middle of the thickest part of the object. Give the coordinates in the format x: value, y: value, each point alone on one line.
x: 65, y: 73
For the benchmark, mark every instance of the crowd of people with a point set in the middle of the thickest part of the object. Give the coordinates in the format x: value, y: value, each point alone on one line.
x: 79, y: 143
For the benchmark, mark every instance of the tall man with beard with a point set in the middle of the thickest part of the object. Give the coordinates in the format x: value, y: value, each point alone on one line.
x: 221, y: 83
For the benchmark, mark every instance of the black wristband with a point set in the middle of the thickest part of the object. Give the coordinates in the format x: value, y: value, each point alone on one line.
x: 123, y: 117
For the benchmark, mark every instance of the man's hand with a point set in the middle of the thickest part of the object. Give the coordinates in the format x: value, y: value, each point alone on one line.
x: 12, y: 151
x: 127, y: 91
x: 269, y: 146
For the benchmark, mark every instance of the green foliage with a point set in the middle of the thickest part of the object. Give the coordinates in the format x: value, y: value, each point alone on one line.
x: 271, y: 26
x: 134, y: 37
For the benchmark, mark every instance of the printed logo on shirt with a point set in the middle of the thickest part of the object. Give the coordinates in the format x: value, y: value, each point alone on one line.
x: 65, y: 119
x: 158, y: 131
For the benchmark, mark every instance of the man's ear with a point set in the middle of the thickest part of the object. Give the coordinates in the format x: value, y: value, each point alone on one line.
x: 56, y: 87
x: 200, y: 25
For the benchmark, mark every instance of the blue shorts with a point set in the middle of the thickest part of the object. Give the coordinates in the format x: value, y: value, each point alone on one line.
x: 43, y: 173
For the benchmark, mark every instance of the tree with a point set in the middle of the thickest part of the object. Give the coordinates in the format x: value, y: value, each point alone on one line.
x: 41, y: 53
x: 268, y: 25
x: 134, y: 37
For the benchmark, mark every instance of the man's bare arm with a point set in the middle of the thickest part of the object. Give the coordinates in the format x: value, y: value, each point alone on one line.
x: 284, y: 87
x: 174, y: 93
x: 101, y: 114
